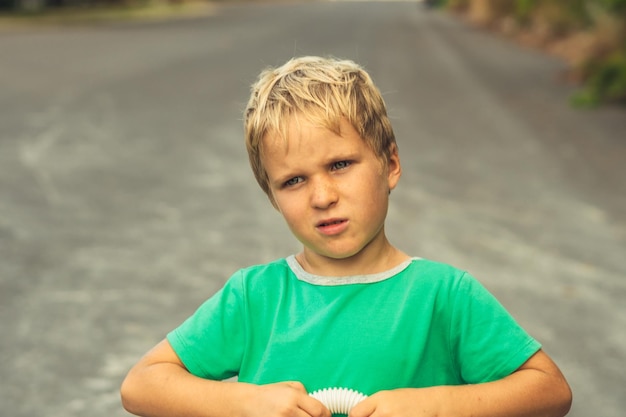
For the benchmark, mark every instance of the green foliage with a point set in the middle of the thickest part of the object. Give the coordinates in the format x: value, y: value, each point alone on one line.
x: 607, y: 82
x: 604, y: 74
x: 578, y: 11
x: 523, y: 8
x: 614, y: 6
x: 435, y: 3
x: 456, y: 4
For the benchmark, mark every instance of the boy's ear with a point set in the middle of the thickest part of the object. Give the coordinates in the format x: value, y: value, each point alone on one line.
x: 394, y: 169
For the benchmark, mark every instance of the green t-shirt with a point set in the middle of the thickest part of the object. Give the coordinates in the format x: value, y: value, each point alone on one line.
x: 420, y: 324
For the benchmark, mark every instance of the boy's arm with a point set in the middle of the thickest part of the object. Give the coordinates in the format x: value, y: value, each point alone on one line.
x: 160, y: 385
x: 536, y: 389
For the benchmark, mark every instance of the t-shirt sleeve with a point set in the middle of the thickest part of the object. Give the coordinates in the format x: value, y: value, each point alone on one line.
x: 211, y: 342
x: 487, y: 342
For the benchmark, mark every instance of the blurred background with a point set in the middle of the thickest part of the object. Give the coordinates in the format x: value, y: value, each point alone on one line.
x: 126, y: 198
x: 590, y: 35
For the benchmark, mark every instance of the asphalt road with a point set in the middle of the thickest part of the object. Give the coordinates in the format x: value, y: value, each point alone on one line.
x: 126, y: 198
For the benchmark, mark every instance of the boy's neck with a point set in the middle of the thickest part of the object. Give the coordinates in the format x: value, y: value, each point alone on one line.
x: 363, y: 263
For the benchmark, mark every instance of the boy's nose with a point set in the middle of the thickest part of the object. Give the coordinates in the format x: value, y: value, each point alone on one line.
x: 324, y: 193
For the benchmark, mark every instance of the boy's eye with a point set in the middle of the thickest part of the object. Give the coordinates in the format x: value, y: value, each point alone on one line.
x: 341, y: 164
x: 293, y: 181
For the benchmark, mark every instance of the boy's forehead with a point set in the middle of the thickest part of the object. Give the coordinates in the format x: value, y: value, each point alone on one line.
x: 302, y: 131
x: 280, y: 142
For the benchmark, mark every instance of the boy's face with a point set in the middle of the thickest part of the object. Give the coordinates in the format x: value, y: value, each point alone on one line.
x: 331, y: 189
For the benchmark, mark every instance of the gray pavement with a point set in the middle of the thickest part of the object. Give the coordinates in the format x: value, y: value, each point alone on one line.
x: 126, y: 198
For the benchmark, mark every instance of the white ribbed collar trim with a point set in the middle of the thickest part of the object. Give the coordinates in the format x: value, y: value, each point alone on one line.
x: 302, y: 275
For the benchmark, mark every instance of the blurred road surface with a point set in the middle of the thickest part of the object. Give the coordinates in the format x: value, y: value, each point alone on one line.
x: 126, y: 198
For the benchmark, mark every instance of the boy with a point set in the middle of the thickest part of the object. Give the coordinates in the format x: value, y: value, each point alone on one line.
x: 418, y: 338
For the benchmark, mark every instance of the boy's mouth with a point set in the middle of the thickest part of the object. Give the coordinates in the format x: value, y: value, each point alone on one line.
x: 329, y: 222
x: 332, y: 227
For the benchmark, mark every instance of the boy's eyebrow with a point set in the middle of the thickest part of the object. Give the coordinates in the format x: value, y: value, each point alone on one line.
x: 283, y: 177
x: 347, y: 155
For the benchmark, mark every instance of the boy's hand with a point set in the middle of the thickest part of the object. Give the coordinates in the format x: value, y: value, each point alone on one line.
x: 284, y: 399
x: 406, y: 402
x: 537, y: 388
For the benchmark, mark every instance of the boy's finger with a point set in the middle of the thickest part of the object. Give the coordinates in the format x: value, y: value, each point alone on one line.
x: 364, y: 408
x: 314, y: 407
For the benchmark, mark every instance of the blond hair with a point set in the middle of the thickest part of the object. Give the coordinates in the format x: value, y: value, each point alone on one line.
x: 322, y: 90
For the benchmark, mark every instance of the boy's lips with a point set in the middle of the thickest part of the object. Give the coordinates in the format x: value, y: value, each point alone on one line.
x: 332, y: 226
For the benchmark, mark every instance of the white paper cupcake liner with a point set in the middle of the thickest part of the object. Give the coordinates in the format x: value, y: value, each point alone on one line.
x: 338, y: 400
